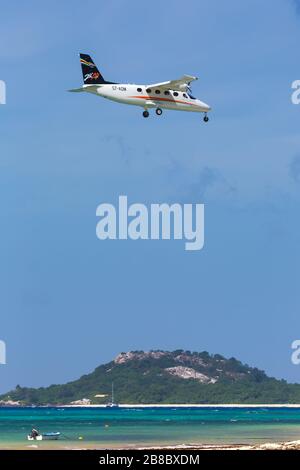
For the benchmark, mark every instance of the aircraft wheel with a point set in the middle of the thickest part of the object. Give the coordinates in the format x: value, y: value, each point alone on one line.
x: 146, y: 114
x: 158, y: 112
x: 206, y: 119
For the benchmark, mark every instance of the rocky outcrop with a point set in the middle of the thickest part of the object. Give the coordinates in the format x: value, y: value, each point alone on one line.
x: 185, y: 358
x: 82, y: 402
x: 130, y: 356
x: 9, y: 403
x: 188, y: 373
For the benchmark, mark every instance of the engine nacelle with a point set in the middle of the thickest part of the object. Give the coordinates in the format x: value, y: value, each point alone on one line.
x: 183, y: 86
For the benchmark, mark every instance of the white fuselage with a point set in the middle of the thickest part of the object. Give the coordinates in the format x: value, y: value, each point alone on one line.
x: 140, y: 95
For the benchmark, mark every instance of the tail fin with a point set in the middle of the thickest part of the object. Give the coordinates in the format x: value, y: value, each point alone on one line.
x: 91, y: 75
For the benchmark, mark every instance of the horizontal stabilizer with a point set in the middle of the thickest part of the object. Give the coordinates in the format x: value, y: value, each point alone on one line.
x: 77, y: 90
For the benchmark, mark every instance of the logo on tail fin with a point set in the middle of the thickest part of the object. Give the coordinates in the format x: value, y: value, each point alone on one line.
x: 89, y: 64
x: 91, y: 76
x: 90, y: 73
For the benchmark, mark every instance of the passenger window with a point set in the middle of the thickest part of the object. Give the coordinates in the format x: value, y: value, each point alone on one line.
x: 184, y: 95
x: 175, y: 93
x: 139, y: 90
x: 148, y: 90
x: 157, y: 92
x: 167, y: 92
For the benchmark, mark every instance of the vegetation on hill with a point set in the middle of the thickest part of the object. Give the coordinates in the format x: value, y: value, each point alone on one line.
x: 166, y: 377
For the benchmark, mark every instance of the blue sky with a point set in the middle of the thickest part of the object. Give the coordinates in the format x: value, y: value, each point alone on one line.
x: 70, y: 302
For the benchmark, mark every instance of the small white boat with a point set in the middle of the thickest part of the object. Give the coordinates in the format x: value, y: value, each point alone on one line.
x: 47, y: 436
x: 112, y: 403
x: 37, y: 438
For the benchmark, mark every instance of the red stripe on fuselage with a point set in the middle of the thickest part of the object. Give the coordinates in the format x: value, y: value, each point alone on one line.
x: 156, y: 98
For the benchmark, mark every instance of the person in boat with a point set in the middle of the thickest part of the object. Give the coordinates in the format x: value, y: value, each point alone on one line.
x: 34, y: 433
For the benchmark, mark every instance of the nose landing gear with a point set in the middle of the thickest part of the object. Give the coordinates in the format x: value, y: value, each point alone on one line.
x: 146, y: 113
x: 206, y: 118
x: 158, y: 111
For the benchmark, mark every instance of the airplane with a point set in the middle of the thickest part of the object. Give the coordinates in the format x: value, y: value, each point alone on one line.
x: 173, y: 94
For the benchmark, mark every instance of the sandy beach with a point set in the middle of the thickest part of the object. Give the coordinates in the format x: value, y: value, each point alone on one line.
x: 293, y: 445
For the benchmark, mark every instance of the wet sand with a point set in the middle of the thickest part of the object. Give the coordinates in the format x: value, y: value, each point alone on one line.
x: 293, y: 445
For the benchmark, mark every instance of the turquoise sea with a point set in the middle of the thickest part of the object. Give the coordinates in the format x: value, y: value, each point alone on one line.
x: 128, y: 427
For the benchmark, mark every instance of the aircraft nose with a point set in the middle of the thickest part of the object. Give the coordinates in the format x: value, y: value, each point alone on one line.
x: 204, y: 107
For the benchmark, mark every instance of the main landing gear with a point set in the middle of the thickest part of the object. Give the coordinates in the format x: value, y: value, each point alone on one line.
x: 206, y: 118
x: 158, y: 112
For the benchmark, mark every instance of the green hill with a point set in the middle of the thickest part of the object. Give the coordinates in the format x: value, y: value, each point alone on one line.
x: 166, y: 377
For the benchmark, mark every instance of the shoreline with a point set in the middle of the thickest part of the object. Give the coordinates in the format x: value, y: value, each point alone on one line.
x: 11, y: 404
x: 267, y: 446
x: 291, y: 445
x: 160, y: 406
x: 183, y: 405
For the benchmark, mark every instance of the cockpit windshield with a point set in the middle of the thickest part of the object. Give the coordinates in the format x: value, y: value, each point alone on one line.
x: 191, y: 96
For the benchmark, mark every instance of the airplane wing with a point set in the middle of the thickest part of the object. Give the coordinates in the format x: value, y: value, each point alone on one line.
x: 180, y: 84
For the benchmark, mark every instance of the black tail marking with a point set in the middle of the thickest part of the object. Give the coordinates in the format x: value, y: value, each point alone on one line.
x: 90, y: 72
